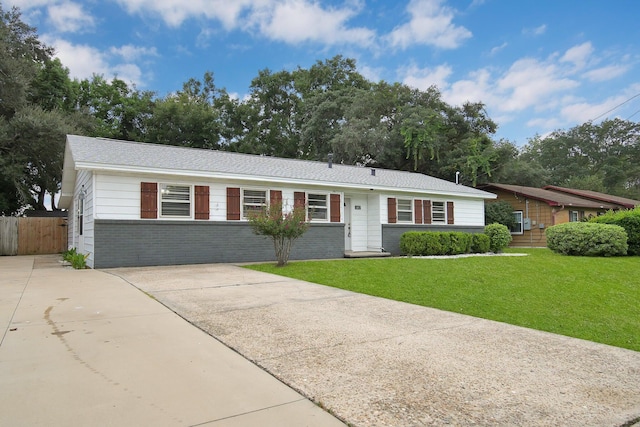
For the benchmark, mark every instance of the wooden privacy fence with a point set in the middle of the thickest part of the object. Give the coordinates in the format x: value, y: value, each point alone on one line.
x: 32, y: 236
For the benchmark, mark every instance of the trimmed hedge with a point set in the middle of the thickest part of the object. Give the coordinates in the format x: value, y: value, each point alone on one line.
x: 480, y: 243
x: 499, y: 237
x: 630, y: 221
x: 424, y: 243
x: 587, y: 239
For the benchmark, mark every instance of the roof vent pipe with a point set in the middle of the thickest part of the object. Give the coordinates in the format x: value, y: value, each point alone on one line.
x: 457, y: 177
x: 330, y: 159
x: 373, y: 172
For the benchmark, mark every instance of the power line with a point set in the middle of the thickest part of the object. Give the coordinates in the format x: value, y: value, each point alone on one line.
x: 617, y: 106
x: 637, y: 111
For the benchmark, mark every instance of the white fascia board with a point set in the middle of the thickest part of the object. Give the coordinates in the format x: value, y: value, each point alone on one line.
x: 280, y: 180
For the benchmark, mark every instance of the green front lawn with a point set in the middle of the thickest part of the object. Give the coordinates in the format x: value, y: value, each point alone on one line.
x: 597, y: 299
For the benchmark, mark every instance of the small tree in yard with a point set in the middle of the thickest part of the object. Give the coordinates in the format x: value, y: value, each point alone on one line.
x: 282, y: 229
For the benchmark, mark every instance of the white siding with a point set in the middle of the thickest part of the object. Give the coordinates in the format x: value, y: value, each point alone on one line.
x: 468, y: 212
x: 118, y: 197
x: 85, y: 243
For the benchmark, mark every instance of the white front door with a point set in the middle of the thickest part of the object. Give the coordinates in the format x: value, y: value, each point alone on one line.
x: 347, y: 224
x: 357, y: 225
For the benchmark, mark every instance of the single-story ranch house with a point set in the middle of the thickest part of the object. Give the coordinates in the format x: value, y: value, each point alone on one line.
x: 536, y: 209
x: 138, y: 204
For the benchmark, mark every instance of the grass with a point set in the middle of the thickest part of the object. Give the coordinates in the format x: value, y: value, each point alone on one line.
x: 595, y: 299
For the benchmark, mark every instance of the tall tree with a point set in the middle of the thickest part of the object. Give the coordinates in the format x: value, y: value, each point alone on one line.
x: 190, y: 117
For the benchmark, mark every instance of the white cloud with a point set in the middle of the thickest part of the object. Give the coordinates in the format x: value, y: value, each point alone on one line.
x: 497, y: 49
x: 431, y: 24
x: 606, y: 73
x: 84, y: 61
x: 295, y: 21
x: 537, y: 31
x: 578, y: 55
x: 175, y: 12
x: 70, y: 17
x: 530, y: 82
x: 130, y: 52
x: 423, y: 78
x: 289, y: 21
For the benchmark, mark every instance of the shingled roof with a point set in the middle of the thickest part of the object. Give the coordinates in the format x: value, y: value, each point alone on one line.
x: 552, y: 198
x: 114, y: 155
x: 594, y: 195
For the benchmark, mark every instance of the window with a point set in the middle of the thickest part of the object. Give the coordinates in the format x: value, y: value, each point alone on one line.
x: 438, y: 213
x: 318, y: 207
x: 175, y: 200
x: 575, y: 216
x: 253, y: 201
x: 405, y: 210
x: 516, y: 228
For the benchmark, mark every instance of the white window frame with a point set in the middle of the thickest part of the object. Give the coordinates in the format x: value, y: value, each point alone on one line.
x: 406, y: 209
x: 434, y: 212
x: 257, y: 206
x: 520, y: 222
x: 314, y: 209
x: 165, y: 190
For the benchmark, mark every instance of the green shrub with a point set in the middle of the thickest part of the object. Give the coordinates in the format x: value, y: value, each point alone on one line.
x: 412, y: 243
x: 630, y: 221
x: 77, y: 260
x: 587, y: 239
x: 499, y: 237
x: 480, y: 243
x: 425, y: 243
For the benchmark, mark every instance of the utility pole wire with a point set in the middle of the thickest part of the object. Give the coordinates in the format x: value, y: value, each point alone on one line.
x: 617, y: 106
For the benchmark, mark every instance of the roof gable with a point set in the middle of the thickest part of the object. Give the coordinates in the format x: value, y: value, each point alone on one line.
x: 106, y: 154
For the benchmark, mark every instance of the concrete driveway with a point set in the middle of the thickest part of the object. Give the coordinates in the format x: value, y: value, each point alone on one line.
x: 85, y: 348
x: 377, y: 362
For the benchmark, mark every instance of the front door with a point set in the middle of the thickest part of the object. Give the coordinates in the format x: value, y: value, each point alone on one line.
x: 347, y: 224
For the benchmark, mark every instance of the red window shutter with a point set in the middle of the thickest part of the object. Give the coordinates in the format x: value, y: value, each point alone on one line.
x: 299, y: 199
x: 426, y: 208
x: 335, y: 208
x: 275, y: 197
x: 233, y: 204
x: 391, y: 210
x: 418, y: 209
x: 449, y: 212
x: 148, y: 200
x: 202, y: 201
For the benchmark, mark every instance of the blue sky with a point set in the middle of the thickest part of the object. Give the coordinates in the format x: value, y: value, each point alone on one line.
x: 537, y: 65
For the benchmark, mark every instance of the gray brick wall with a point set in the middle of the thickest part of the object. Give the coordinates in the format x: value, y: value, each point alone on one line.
x: 120, y: 243
x: 391, y: 233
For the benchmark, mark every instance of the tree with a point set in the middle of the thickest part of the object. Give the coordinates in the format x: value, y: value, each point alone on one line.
x: 282, y: 229
x: 21, y: 55
x: 500, y: 212
x: 32, y: 151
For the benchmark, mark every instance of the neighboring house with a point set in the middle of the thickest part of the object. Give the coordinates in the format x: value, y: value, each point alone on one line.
x: 622, y: 202
x: 136, y: 204
x: 536, y: 209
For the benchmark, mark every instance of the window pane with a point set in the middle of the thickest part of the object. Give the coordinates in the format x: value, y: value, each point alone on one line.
x: 253, y: 201
x: 438, y: 213
x: 175, y: 209
x: 517, y: 226
x: 405, y: 210
x: 175, y: 200
x: 317, y: 206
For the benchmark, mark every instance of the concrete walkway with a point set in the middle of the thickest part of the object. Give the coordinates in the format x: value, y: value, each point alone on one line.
x: 85, y: 348
x: 376, y: 362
